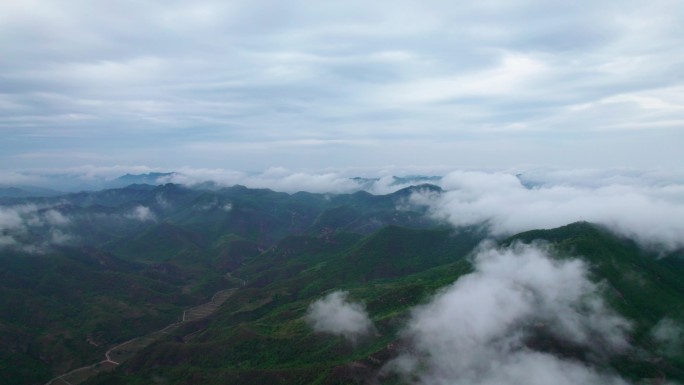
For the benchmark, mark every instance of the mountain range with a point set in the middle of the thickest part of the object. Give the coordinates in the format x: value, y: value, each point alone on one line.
x: 82, y: 273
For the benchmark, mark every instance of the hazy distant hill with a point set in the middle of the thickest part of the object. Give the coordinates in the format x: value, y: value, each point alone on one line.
x: 152, y: 178
x: 27, y: 191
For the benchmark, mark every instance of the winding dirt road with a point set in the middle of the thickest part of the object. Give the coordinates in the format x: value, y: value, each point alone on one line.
x: 125, y: 350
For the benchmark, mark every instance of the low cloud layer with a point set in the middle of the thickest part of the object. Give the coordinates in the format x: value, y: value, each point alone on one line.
x: 32, y: 228
x: 490, y: 326
x: 646, y: 205
x: 276, y: 178
x: 336, y: 314
x: 142, y: 214
x: 648, y: 210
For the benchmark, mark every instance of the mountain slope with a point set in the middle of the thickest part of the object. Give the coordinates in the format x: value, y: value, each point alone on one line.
x: 261, y: 334
x: 135, y: 256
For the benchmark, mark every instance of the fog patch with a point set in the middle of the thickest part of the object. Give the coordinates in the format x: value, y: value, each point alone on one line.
x: 54, y: 217
x: 669, y: 335
x: 58, y: 237
x: 10, y: 218
x: 336, y: 314
x: 489, y: 327
x: 142, y: 214
x: 162, y: 201
x: 7, y: 240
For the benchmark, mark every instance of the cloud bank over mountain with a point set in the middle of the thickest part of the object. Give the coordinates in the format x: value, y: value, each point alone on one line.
x: 646, y: 205
x: 18, y: 225
x: 35, y: 228
x: 485, y: 328
x: 378, y: 181
x: 648, y: 210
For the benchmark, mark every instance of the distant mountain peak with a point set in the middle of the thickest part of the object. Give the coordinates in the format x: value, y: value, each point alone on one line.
x: 420, y: 188
x: 151, y: 178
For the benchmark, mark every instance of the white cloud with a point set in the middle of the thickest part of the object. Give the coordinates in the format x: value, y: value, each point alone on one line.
x: 593, y: 177
x: 643, y: 204
x: 284, y: 180
x: 142, y: 214
x: 482, y: 329
x: 335, y: 314
x: 385, y: 185
x: 651, y: 214
x: 276, y: 178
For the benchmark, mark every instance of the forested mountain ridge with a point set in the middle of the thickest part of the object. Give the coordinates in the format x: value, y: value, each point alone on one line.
x: 131, y: 260
x: 84, y: 270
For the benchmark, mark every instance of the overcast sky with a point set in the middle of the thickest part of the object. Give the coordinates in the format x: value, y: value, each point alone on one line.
x: 248, y: 85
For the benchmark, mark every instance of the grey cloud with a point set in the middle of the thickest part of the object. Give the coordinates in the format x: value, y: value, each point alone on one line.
x: 336, y: 314
x: 481, y: 329
x: 216, y: 72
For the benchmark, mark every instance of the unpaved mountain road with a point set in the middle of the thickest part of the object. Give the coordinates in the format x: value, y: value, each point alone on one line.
x: 125, y: 350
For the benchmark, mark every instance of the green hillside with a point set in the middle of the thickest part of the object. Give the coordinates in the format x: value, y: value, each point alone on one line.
x: 62, y: 310
x: 646, y: 287
x: 260, y: 335
x: 130, y: 271
x: 137, y: 256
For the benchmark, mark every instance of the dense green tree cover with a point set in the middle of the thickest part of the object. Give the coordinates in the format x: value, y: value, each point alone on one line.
x: 64, y: 307
x: 136, y: 256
